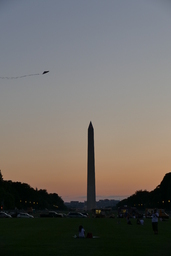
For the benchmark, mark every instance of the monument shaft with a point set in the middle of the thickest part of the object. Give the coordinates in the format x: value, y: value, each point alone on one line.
x: 91, y: 191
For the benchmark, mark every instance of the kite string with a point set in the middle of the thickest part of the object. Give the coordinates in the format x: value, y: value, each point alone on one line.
x: 16, y: 77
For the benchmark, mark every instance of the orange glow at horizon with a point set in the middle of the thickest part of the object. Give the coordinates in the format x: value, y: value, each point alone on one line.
x: 116, y: 174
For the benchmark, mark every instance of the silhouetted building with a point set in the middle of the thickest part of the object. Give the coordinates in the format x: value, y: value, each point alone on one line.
x: 91, y: 190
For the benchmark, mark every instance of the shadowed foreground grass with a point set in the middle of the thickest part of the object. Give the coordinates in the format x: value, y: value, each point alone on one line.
x: 55, y: 237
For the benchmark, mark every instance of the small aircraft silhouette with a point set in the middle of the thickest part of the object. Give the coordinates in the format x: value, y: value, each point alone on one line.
x: 45, y: 72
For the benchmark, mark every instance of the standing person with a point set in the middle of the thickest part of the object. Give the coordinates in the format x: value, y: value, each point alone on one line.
x: 155, y: 217
x: 81, y: 231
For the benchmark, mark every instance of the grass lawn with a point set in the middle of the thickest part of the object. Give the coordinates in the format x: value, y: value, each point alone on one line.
x: 55, y: 237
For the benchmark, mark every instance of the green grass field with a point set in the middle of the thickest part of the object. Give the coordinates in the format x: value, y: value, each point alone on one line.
x: 55, y: 237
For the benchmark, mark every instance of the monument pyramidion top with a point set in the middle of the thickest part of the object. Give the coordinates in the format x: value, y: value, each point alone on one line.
x: 90, y: 125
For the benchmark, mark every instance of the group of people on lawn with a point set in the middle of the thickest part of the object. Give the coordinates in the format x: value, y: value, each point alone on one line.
x: 154, y: 216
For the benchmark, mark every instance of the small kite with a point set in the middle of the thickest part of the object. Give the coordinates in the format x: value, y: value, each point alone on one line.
x: 45, y: 72
x: 16, y: 77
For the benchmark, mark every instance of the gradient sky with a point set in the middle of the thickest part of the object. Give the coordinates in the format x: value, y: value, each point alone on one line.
x: 110, y: 63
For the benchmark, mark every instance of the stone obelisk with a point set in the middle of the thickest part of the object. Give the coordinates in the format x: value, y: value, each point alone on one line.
x: 91, y: 189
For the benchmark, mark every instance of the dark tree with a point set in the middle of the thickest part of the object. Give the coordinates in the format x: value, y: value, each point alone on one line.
x: 22, y: 196
x: 160, y: 197
x: 1, y: 178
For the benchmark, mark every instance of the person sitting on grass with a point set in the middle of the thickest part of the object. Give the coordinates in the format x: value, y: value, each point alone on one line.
x: 128, y: 221
x: 81, y: 231
x: 140, y: 222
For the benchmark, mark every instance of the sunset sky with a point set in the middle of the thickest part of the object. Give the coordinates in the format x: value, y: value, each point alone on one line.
x: 110, y: 63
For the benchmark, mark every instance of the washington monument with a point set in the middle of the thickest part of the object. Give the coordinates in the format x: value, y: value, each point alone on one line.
x: 91, y: 190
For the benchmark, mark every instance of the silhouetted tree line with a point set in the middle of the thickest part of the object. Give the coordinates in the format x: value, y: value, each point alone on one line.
x: 22, y: 196
x: 160, y: 197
